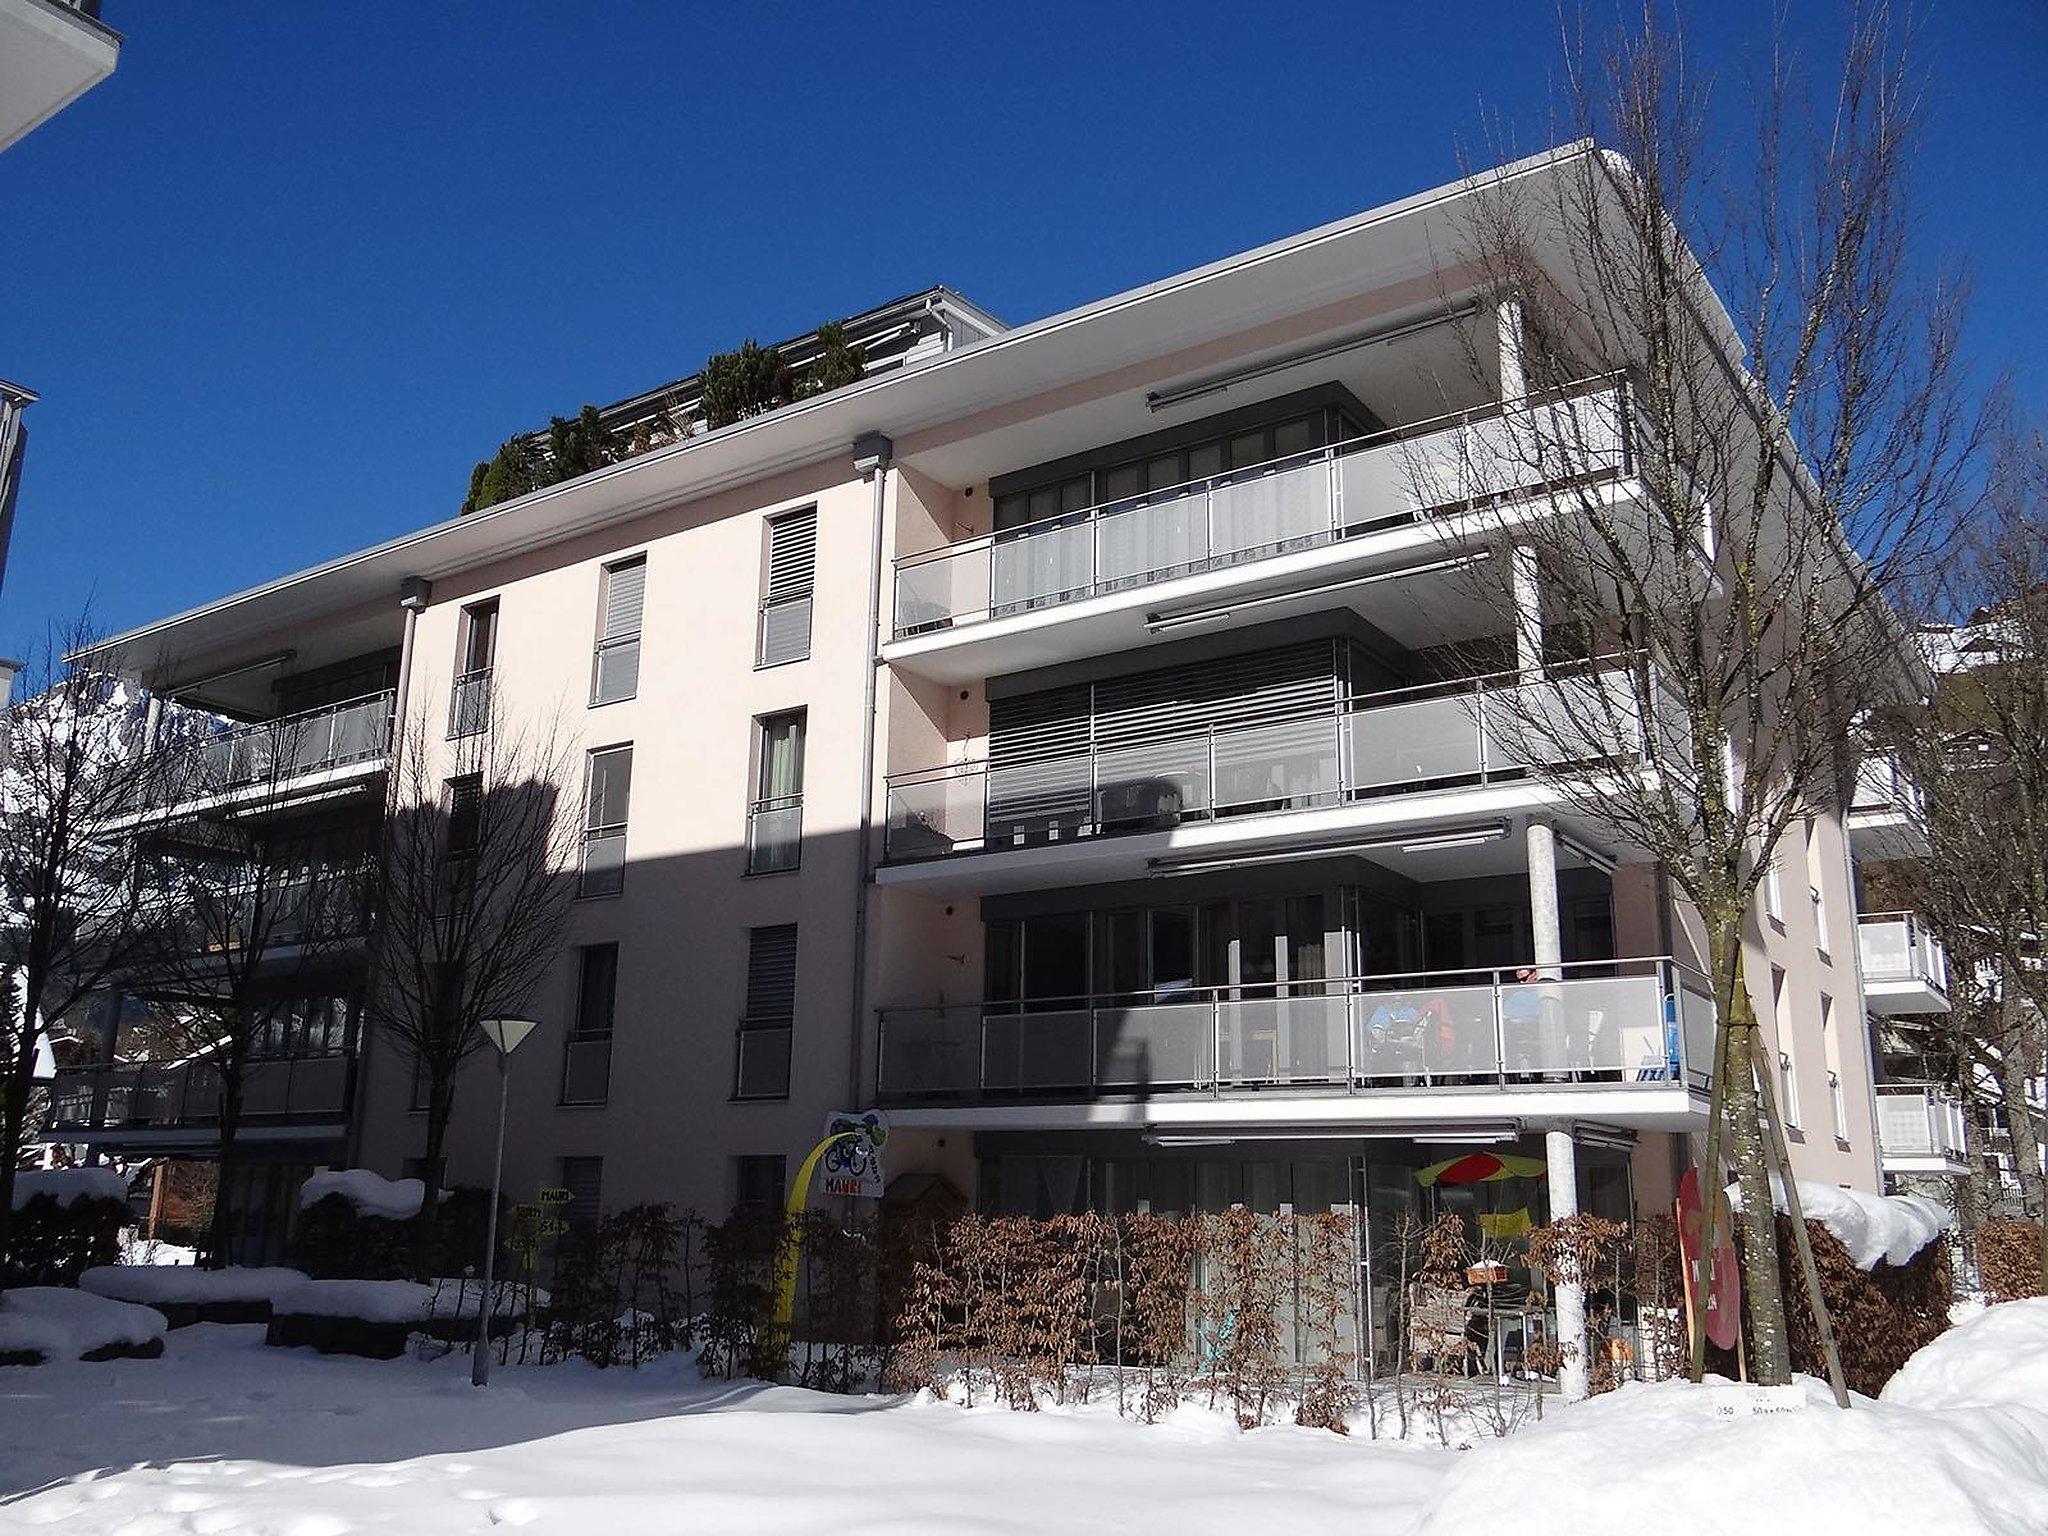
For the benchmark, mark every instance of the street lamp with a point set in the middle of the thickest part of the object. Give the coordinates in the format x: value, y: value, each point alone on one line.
x: 505, y: 1034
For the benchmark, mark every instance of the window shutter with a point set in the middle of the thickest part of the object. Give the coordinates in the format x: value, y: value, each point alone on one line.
x: 771, y: 974
x: 792, y: 553
x: 785, y: 633
x: 625, y: 595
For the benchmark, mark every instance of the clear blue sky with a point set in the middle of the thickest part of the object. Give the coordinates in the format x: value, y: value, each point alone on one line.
x: 293, y: 268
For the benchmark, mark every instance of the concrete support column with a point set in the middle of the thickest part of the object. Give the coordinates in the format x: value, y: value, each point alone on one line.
x: 1561, y: 1159
x: 1546, y: 934
x: 1507, y: 325
x: 1525, y: 583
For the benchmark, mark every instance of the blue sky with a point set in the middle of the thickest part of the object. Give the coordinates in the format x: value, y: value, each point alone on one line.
x: 288, y: 273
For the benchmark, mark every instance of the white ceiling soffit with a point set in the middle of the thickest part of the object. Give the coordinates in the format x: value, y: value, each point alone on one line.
x: 1295, y: 274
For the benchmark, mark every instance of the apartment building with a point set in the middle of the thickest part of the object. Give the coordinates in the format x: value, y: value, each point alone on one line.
x: 1075, y: 741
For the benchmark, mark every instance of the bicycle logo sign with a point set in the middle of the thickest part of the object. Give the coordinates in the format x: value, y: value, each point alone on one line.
x: 852, y: 1165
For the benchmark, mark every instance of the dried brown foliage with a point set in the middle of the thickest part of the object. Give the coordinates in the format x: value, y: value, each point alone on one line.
x: 2009, y: 1259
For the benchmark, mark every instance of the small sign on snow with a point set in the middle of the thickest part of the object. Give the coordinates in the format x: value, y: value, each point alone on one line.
x: 1737, y: 1400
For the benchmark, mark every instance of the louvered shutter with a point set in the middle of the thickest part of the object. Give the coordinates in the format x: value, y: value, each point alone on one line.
x: 618, y: 641
x: 785, y: 633
x: 771, y: 974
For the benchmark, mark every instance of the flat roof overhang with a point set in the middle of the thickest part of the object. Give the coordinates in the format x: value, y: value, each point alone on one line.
x: 1396, y: 241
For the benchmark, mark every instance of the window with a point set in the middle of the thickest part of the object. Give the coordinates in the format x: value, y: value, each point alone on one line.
x: 615, y: 673
x: 583, y: 1178
x: 609, y: 788
x: 465, y: 815
x: 1831, y: 1055
x: 587, y: 1057
x: 757, y: 1184
x: 1774, y: 891
x: 469, y: 696
x: 785, y: 628
x: 775, y: 820
x: 1816, y: 876
x: 762, y: 1070
x: 1788, y: 1074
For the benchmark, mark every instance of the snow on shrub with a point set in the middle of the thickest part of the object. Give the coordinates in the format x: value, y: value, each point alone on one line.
x: 159, y: 1284
x: 370, y: 1194
x: 369, y: 1301
x: 67, y: 1186
x: 1873, y: 1228
x: 46, y: 1322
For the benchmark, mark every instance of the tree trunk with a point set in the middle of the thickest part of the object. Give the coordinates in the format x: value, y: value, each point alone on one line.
x: 2026, y: 1145
x: 13, y: 1109
x: 217, y: 1255
x: 440, y: 1106
x: 1770, y: 1354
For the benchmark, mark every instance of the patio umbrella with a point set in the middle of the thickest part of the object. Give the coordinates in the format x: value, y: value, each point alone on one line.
x: 1480, y: 1168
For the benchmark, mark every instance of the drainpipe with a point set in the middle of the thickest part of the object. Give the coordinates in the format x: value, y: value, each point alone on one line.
x: 872, y: 454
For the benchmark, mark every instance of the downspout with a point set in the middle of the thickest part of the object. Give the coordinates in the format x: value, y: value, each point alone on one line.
x: 414, y: 593
x: 872, y: 453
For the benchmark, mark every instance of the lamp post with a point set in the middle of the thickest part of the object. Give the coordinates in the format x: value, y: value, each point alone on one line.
x: 505, y: 1035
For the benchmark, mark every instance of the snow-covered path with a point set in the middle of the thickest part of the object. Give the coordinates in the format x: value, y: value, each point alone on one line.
x: 223, y: 1436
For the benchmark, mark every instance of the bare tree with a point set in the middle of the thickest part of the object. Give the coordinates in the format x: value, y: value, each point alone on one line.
x: 244, y: 907
x: 1802, y: 442
x: 476, y: 874
x: 69, y: 910
x: 1978, y: 755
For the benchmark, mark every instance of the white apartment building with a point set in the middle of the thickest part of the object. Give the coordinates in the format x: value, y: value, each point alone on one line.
x: 1065, y: 740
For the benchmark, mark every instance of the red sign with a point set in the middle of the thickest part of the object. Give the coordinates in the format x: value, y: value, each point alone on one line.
x: 1719, y: 1303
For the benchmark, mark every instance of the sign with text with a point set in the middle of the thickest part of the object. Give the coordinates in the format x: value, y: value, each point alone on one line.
x: 1735, y: 1400
x: 853, y: 1164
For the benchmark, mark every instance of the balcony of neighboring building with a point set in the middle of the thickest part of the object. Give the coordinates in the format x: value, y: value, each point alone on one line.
x: 1239, y: 520
x: 51, y: 53
x: 1905, y: 967
x: 1920, y: 1129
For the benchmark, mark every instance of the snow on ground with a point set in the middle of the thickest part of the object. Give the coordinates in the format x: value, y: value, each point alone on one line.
x: 1959, y: 1445
x: 224, y: 1436
x: 62, y: 1324
x: 152, y: 1284
x: 375, y: 1301
x: 370, y: 1193
x: 68, y: 1186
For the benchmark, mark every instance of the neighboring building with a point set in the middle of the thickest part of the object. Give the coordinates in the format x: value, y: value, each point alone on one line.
x: 1066, y: 741
x: 51, y: 53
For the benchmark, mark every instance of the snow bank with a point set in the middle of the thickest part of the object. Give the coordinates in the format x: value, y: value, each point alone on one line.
x: 370, y: 1301
x: 1952, y: 1450
x: 1997, y: 1357
x: 371, y: 1194
x: 68, y: 1186
x: 1872, y: 1227
x: 155, y: 1284
x: 61, y: 1324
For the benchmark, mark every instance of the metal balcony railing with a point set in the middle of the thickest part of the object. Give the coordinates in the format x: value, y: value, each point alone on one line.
x: 273, y: 752
x: 1896, y: 946
x: 587, y: 1069
x: 761, y: 1059
x: 186, y: 1094
x: 775, y: 834
x: 469, y: 703
x: 1881, y: 789
x: 1621, y: 1022
x: 1254, y: 512
x: 1473, y: 731
x: 1920, y: 1120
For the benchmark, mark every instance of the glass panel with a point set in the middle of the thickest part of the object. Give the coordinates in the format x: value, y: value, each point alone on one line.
x: 782, y: 755
x: 587, y: 1071
x: 604, y: 866
x: 1276, y: 509
x: 1056, y: 956
x: 1283, y: 1039
x: 1046, y: 566
x: 1123, y: 481
x: 618, y: 671
x: 1036, y: 1050
x: 1205, y: 461
x: 1173, y: 953
x: 1249, y: 448
x: 1415, y: 743
x: 1120, y: 953
x: 611, y: 787
x: 1162, y: 1045
x: 1165, y: 471
x: 1299, y: 436
x: 1258, y: 929
x: 1420, y: 1033
x: 763, y: 1068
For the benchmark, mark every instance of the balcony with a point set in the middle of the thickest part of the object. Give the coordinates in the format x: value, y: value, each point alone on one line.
x: 1886, y: 814
x: 1467, y: 734
x: 1920, y: 1129
x: 1235, y: 526
x: 469, y: 703
x: 50, y: 55
x: 1611, y: 1036
x: 179, y: 1102
x: 1905, y: 968
x: 775, y: 834
x: 264, y: 762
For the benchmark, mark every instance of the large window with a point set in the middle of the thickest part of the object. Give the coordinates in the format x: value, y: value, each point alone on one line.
x: 607, y: 792
x: 469, y: 696
x: 775, y: 817
x: 785, y: 626
x: 587, y: 1061
x: 615, y: 673
x: 762, y: 1070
